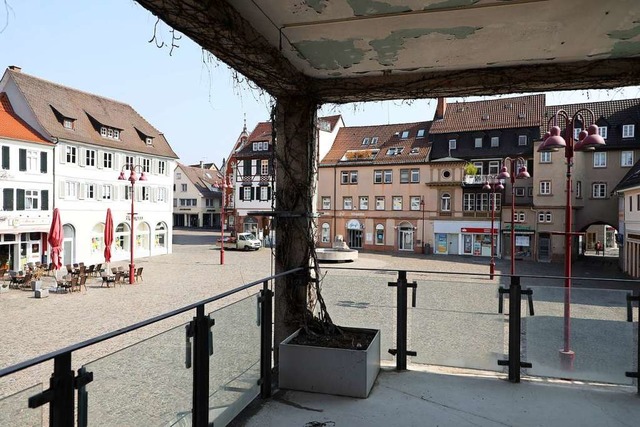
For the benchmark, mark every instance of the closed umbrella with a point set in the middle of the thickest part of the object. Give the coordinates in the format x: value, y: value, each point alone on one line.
x: 108, y: 236
x: 56, y: 236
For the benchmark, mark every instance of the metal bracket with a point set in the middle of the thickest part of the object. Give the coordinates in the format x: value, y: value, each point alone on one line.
x: 522, y: 364
x: 413, y: 285
x: 189, y: 332
x: 394, y: 351
x: 502, y: 291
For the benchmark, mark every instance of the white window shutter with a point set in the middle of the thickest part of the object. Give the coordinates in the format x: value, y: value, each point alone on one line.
x: 100, y: 159
x: 114, y: 192
x: 154, y: 166
x: 83, y: 190
x: 62, y: 190
x: 117, y: 160
x: 62, y: 153
x: 154, y: 194
x: 82, y: 156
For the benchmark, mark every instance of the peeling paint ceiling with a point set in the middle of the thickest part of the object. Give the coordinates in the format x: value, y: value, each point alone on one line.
x: 321, y: 43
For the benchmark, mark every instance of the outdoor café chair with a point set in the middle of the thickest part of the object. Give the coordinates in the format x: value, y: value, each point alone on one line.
x: 107, y: 279
x: 139, y: 273
x: 82, y: 282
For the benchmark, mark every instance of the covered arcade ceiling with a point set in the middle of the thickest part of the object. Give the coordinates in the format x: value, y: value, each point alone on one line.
x: 358, y: 50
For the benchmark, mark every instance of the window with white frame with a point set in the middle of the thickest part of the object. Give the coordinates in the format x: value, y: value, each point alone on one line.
x: 482, y: 202
x: 478, y: 142
x: 576, y: 133
x: 547, y: 216
x: 90, y: 158
x: 365, y: 141
x: 545, y: 188
x: 445, y: 202
x: 518, y: 216
x: 521, y: 217
x: 420, y: 133
x: 405, y: 134
x: 602, y: 130
x: 404, y: 176
x: 344, y: 177
x: 67, y: 123
x: 414, y: 203
x: 541, y: 217
x: 374, y: 140
x: 479, y: 167
x: 146, y: 165
x: 600, y: 159
x: 353, y: 177
x: 183, y: 187
x: 128, y: 162
x: 347, y: 203
x: 522, y: 139
x: 599, y: 190
x: 246, y: 193
x: 71, y: 154
x: 31, y: 198
x: 32, y: 160
x: 628, y: 131
x: 626, y: 159
x: 364, y: 203
x: 396, y: 203
x: 107, y: 160
x: 388, y: 176
x: 145, y: 195
x: 578, y: 189
x: 106, y: 191
x: 90, y: 191
x: 71, y: 189
x: 494, y: 167
x: 452, y: 144
x: 545, y: 157
x: 379, y: 203
x: 377, y: 177
x: 469, y: 202
x: 496, y: 198
x: 264, y: 167
x: 162, y: 167
x: 326, y: 203
x: 415, y: 175
x: 264, y: 193
x: 495, y: 141
x: 326, y: 233
x: 520, y: 191
x: 178, y: 175
x: 127, y: 192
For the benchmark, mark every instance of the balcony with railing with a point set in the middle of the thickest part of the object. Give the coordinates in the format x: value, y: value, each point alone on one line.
x: 463, y: 338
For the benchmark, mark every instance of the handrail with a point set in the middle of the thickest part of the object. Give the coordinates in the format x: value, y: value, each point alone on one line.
x: 452, y: 273
x: 78, y: 346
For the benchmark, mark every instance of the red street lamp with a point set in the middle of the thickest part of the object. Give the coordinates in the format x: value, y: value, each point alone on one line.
x: 133, y: 177
x: 492, y: 186
x: 422, y: 209
x: 222, y: 186
x: 504, y: 174
x: 552, y: 141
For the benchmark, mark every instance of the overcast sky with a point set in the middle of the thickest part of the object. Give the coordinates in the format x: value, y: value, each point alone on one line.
x: 102, y: 47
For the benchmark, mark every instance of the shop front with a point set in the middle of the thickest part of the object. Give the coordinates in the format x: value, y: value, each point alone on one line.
x: 464, y: 238
x: 523, y: 242
x: 476, y: 241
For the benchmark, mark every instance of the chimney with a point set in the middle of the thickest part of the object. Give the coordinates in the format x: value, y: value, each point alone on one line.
x: 15, y: 68
x: 441, y: 109
x: 201, y: 164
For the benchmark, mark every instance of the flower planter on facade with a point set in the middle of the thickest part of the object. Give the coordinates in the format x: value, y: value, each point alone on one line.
x: 328, y: 370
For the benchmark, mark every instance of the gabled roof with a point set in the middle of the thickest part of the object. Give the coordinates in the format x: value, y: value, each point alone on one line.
x: 503, y: 113
x: 331, y: 120
x: 13, y: 127
x: 612, y: 114
x: 630, y: 180
x: 51, y: 103
x: 348, y: 147
x: 202, y: 179
x: 205, y: 166
x: 262, y: 132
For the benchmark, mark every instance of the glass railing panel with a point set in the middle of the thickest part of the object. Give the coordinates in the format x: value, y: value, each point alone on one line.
x: 599, y: 335
x: 363, y: 299
x: 144, y: 384
x: 15, y: 411
x: 456, y: 323
x: 235, y: 364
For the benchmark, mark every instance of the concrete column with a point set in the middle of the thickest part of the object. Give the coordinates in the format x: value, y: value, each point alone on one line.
x: 295, y: 147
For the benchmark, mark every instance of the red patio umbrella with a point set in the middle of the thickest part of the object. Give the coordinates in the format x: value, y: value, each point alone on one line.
x: 108, y: 236
x: 56, y: 236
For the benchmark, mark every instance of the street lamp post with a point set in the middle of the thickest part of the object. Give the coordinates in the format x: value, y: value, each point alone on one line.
x: 422, y: 209
x: 504, y: 174
x: 222, y: 186
x: 552, y: 141
x: 133, y: 177
x: 492, y: 186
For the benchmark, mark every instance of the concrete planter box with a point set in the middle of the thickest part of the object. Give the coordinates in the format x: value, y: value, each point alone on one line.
x: 36, y: 285
x: 329, y: 370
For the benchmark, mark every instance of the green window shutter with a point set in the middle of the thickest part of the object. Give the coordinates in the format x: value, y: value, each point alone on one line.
x: 6, y: 164
x: 7, y: 199
x: 43, y: 162
x: 44, y: 200
x: 22, y: 159
x: 19, y: 199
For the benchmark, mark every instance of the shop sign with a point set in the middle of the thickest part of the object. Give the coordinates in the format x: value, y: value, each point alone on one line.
x: 478, y: 230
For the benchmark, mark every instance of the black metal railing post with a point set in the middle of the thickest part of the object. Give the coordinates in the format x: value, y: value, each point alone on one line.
x: 515, y: 329
x: 630, y: 300
x: 266, y: 341
x: 401, y: 351
x: 60, y: 394
x: 201, y: 351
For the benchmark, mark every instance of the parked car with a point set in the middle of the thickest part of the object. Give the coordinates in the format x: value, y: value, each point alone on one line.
x: 242, y: 241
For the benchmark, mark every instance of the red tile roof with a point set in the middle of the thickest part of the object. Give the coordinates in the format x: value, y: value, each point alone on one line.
x: 202, y: 179
x: 13, y: 127
x: 503, y: 113
x: 348, y: 147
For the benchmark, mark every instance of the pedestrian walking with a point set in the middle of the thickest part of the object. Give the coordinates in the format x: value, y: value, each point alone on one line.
x: 598, y: 247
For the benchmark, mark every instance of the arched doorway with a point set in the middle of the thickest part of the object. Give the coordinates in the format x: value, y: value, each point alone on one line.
x: 97, y: 239
x: 121, y: 239
x: 405, y: 236
x: 68, y: 244
x: 354, y: 234
x: 160, y: 238
x: 143, y: 238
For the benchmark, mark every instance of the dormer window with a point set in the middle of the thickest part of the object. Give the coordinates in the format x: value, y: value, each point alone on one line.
x: 394, y: 151
x: 261, y: 146
x: 148, y: 140
x: 414, y: 151
x: 405, y: 134
x: 374, y: 140
x: 67, y: 123
x: 365, y: 141
x: 111, y: 133
x: 420, y: 133
x: 628, y: 131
